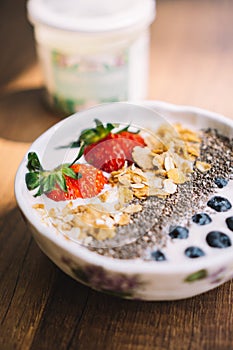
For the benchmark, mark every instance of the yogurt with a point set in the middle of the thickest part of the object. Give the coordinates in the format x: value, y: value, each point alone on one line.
x: 92, y: 52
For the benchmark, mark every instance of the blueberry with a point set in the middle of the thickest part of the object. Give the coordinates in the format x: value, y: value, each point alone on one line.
x: 220, y: 182
x: 219, y: 204
x: 179, y: 232
x: 194, y: 252
x: 217, y: 239
x: 229, y: 222
x: 201, y: 219
x: 158, y: 255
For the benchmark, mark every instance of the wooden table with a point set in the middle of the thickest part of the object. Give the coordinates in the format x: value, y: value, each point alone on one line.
x: 41, y: 307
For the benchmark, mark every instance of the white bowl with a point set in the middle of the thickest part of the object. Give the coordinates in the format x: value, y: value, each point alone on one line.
x: 134, y: 279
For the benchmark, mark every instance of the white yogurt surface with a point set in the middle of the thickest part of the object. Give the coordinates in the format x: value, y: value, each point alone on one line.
x: 197, y: 233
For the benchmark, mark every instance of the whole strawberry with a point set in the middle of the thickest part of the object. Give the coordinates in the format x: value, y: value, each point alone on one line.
x: 106, y: 150
x: 64, y: 182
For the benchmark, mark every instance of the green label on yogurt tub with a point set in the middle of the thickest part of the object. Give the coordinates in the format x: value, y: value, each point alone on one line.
x: 83, y: 81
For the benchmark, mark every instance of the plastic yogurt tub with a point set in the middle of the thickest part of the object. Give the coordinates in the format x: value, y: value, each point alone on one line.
x: 89, y: 54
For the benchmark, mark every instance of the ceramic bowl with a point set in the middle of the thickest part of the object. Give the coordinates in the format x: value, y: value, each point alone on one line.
x: 133, y: 279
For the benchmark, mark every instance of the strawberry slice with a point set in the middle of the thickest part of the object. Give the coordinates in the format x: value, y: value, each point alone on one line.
x: 64, y: 182
x: 106, y: 150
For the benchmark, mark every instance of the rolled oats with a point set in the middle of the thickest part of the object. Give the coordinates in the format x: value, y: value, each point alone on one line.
x: 203, y: 166
x: 177, y: 176
x: 143, y: 157
x: 169, y: 186
x: 168, y: 163
x: 132, y: 208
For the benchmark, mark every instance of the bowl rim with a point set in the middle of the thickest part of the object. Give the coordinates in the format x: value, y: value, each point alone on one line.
x: 131, y: 266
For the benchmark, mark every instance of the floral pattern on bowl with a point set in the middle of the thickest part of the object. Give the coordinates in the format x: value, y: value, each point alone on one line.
x: 215, y: 277
x: 102, y: 280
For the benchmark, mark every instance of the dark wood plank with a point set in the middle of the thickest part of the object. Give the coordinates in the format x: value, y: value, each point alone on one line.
x: 24, y: 115
x: 42, y: 308
x: 203, y: 322
x: 37, y: 299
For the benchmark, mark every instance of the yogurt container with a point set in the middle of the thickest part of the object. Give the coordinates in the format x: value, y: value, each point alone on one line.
x: 92, y: 52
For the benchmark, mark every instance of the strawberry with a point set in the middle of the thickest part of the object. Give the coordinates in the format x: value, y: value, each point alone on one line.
x: 64, y: 182
x: 106, y: 150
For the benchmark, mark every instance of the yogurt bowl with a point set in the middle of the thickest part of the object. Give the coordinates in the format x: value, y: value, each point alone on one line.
x: 196, y: 257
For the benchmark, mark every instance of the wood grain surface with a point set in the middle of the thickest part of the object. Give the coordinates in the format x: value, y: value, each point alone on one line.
x: 41, y: 307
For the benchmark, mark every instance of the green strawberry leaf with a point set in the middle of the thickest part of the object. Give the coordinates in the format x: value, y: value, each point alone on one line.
x: 66, y: 170
x: 110, y: 126
x: 60, y: 180
x: 74, y: 144
x: 32, y: 180
x: 99, y: 124
x: 38, y: 193
x: 51, y: 182
x: 33, y: 162
x: 47, y: 183
x: 101, y: 130
x: 90, y: 136
x: 80, y: 153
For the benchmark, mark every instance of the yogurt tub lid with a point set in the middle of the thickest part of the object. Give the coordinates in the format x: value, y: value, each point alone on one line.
x: 91, y: 16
